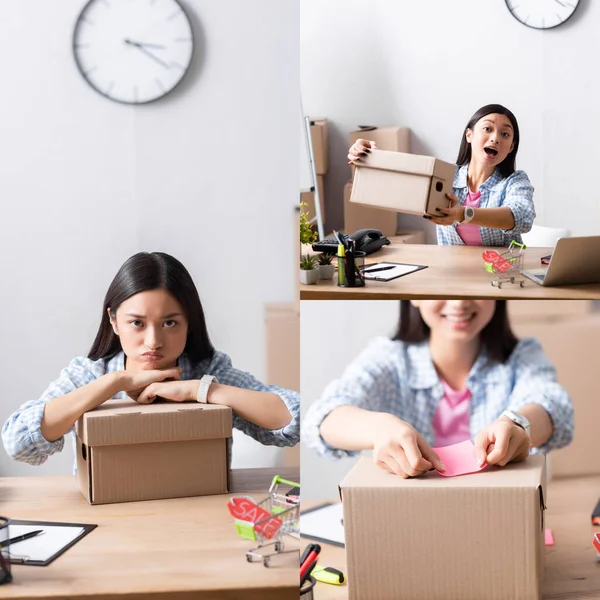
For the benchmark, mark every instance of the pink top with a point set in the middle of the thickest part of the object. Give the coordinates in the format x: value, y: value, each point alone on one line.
x: 470, y: 234
x: 451, y: 419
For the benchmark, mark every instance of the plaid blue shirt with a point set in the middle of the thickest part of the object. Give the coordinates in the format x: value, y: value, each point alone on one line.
x: 24, y: 441
x: 514, y: 191
x: 398, y: 378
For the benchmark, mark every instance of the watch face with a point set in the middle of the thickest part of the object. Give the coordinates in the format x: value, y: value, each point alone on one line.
x: 133, y: 51
x: 542, y: 14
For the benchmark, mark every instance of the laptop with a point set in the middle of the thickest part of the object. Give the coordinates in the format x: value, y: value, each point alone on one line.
x: 575, y: 260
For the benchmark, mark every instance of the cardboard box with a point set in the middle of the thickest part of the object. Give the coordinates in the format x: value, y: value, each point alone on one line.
x: 469, y: 538
x: 309, y: 198
x: 401, y: 182
x: 572, y: 346
x: 549, y: 310
x: 396, y: 139
x: 127, y: 451
x: 358, y: 217
x: 319, y: 137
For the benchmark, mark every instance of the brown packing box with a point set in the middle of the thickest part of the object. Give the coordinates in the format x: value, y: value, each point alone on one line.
x: 472, y: 537
x: 309, y: 198
x: 396, y: 139
x: 319, y: 137
x: 402, y: 182
x: 358, y: 217
x: 572, y: 347
x: 283, y: 356
x: 127, y: 451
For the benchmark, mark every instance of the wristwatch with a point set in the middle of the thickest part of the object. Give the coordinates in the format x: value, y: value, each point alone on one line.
x: 469, y: 214
x: 205, y: 384
x: 520, y: 420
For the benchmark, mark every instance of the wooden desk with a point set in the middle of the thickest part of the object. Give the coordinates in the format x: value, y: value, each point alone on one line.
x: 165, y: 549
x: 571, y: 570
x: 453, y: 272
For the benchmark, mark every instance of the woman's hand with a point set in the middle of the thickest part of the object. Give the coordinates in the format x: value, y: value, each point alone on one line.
x: 358, y: 149
x: 501, y: 442
x: 135, y: 382
x: 399, y: 448
x: 455, y: 212
x: 178, y: 391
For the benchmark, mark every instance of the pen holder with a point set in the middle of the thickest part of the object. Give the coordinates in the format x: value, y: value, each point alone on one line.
x: 306, y: 591
x: 349, y: 269
x: 5, y: 574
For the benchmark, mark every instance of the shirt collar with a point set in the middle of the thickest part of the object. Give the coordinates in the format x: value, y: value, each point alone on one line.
x: 460, y: 180
x: 423, y: 374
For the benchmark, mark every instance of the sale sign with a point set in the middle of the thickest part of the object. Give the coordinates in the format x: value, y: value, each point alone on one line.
x: 245, y: 509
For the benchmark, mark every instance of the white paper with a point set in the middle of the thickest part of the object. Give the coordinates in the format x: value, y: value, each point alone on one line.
x: 389, y: 273
x: 42, y: 546
x: 324, y: 523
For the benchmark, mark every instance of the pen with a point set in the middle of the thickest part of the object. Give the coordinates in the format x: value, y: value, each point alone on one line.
x: 309, y: 562
x: 20, y: 538
x: 379, y: 269
x: 309, y: 548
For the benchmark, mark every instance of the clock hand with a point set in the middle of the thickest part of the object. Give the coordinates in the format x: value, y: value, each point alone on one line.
x: 158, y: 46
x: 147, y: 53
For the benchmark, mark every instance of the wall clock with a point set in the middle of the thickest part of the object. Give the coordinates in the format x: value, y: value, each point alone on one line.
x: 542, y: 14
x: 133, y: 51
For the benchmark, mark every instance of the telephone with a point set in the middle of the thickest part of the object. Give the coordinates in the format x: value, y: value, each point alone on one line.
x: 367, y: 241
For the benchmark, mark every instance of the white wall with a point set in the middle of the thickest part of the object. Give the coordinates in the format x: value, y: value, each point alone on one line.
x: 332, y: 334
x: 208, y: 174
x: 429, y: 65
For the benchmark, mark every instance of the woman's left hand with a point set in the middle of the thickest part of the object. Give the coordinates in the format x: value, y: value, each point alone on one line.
x: 178, y: 391
x: 454, y: 213
x: 502, y: 442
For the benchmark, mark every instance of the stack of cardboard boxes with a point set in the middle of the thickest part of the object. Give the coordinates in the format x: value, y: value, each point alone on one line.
x: 569, y: 331
x: 319, y: 137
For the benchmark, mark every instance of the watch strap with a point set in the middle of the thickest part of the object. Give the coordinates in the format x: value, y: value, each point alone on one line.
x: 205, y: 383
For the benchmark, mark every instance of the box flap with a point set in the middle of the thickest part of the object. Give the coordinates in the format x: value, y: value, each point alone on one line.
x: 529, y: 473
x: 119, y: 422
x: 414, y: 164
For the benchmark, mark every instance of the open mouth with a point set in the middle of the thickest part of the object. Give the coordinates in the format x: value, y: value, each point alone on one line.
x: 491, y: 151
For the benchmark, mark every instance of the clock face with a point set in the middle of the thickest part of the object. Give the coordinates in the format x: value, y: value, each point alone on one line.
x: 542, y: 14
x: 133, y: 51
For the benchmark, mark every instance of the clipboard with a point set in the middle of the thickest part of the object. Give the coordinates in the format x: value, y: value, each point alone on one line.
x: 390, y: 274
x: 329, y: 530
x: 16, y: 560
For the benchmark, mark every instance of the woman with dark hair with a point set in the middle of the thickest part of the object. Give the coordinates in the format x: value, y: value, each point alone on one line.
x: 152, y: 342
x: 492, y: 203
x: 453, y: 371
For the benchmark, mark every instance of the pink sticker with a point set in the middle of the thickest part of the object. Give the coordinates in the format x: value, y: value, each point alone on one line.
x: 548, y: 537
x: 459, y: 459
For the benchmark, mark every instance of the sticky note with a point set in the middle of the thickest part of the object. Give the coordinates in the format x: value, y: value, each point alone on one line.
x: 459, y: 459
x: 548, y: 537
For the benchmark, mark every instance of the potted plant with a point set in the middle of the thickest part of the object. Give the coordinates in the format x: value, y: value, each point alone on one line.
x: 309, y: 273
x: 307, y: 234
x: 326, y: 268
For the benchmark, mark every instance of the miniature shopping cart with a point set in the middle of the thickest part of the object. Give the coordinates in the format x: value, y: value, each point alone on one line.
x: 506, y: 267
x: 267, y: 521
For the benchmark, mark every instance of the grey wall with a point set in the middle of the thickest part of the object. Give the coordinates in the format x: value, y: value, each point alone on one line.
x: 429, y: 65
x: 332, y: 334
x: 208, y: 174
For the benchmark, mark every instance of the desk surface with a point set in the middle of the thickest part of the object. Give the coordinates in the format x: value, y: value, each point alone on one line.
x: 452, y: 272
x: 165, y: 549
x: 571, y: 570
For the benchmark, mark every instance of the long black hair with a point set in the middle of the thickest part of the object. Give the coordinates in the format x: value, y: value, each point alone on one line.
x: 150, y: 271
x: 508, y: 165
x: 496, y: 337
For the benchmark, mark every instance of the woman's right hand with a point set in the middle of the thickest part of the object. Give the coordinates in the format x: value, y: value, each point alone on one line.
x: 399, y: 448
x: 133, y: 383
x: 360, y: 148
